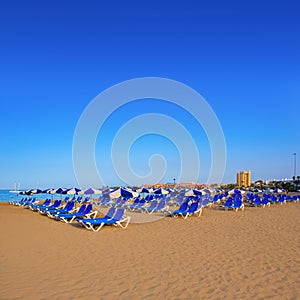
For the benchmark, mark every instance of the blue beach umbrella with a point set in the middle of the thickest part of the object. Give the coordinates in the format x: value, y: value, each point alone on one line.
x: 144, y: 190
x: 37, y: 191
x: 28, y: 192
x: 91, y: 191
x: 59, y: 191
x: 161, y: 191
x: 198, y: 193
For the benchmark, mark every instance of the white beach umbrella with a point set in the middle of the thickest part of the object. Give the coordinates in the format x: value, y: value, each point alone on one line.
x: 73, y: 191
x: 121, y: 192
x: 189, y: 193
x: 207, y: 191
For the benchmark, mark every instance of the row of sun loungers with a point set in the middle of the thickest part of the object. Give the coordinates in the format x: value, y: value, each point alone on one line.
x: 84, y: 215
x: 267, y: 199
x: 69, y: 212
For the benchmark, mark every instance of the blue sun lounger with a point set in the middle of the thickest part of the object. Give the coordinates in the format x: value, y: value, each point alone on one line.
x: 139, y: 205
x: 84, y: 211
x: 282, y: 199
x: 116, y: 219
x: 56, y: 204
x: 52, y: 213
x: 133, y: 205
x: 228, y: 203
x: 256, y: 201
x: 161, y: 207
x: 265, y: 201
x: 182, y: 209
x: 17, y: 202
x: 26, y: 202
x: 194, y: 208
x: 238, y: 204
x: 46, y: 203
x: 150, y: 208
x: 206, y: 202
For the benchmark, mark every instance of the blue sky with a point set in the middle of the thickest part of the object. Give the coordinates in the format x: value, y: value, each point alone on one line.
x: 242, y: 57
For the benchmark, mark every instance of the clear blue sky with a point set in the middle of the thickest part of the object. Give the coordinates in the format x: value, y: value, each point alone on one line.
x: 243, y: 57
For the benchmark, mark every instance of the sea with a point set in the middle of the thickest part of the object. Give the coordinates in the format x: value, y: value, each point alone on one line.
x: 6, y: 196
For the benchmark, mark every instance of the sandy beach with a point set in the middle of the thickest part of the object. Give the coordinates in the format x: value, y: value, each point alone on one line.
x: 253, y: 254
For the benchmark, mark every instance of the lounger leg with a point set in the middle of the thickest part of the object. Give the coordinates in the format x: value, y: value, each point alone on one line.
x: 127, y: 220
x: 200, y: 212
x: 100, y: 226
x: 185, y: 216
x: 71, y: 220
x: 86, y: 225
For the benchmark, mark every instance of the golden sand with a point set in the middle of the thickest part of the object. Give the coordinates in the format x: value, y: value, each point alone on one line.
x: 253, y: 254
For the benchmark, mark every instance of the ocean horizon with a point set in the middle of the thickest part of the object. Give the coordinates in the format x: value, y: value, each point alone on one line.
x: 6, y: 196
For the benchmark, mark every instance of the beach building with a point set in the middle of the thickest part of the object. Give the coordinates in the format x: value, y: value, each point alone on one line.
x: 186, y: 184
x: 243, y: 178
